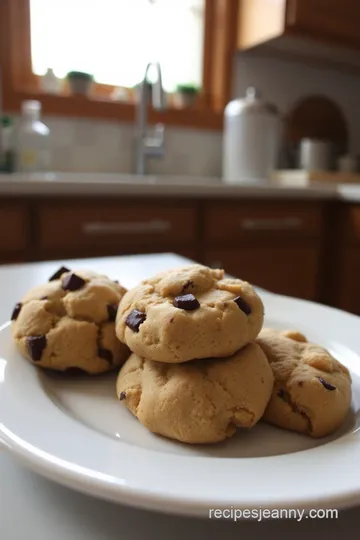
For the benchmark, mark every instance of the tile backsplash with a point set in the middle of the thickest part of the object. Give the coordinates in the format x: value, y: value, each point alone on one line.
x: 99, y: 146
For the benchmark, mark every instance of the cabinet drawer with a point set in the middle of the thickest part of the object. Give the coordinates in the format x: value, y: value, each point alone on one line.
x: 13, y: 227
x: 288, y: 270
x: 229, y: 222
x: 124, y: 224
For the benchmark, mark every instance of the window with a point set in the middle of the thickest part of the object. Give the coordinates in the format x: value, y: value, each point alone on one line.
x: 115, y: 39
x: 194, y: 40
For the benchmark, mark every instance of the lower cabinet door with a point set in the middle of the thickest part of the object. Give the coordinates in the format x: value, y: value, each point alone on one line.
x: 288, y: 270
x: 349, y: 283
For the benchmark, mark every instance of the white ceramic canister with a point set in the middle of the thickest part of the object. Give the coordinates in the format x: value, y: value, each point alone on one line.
x: 252, y: 139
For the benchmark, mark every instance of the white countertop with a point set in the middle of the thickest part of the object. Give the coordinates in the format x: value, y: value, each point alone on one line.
x: 34, y: 508
x: 93, y: 184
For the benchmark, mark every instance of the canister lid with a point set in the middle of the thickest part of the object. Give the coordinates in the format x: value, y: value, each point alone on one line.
x: 252, y: 103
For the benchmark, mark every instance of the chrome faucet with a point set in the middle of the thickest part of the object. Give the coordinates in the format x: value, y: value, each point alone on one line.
x: 149, y: 146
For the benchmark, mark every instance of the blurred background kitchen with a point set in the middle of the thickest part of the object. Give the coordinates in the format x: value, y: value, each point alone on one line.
x: 227, y: 131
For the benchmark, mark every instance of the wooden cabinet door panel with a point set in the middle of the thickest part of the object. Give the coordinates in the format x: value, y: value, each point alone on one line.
x: 13, y: 227
x: 108, y: 226
x: 229, y: 222
x: 288, y: 270
x: 352, y: 224
x: 336, y: 20
x: 349, y: 282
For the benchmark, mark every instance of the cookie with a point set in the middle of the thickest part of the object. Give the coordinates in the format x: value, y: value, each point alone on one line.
x: 69, y: 323
x: 191, y: 312
x: 203, y: 401
x: 312, y: 390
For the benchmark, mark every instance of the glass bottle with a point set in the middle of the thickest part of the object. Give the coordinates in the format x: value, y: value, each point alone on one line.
x: 33, y: 140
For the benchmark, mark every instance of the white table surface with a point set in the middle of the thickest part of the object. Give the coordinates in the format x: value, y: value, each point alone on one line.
x: 34, y: 508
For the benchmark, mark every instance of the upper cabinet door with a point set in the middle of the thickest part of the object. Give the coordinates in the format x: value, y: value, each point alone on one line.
x: 332, y: 20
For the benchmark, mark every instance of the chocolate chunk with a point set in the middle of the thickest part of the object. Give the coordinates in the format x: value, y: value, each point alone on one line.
x: 188, y: 302
x: 112, y: 311
x: 72, y: 282
x: 116, y: 281
x: 36, y: 345
x: 281, y: 394
x: 135, y: 319
x: 326, y: 384
x: 122, y: 396
x: 59, y: 273
x: 43, y: 298
x: 105, y: 354
x: 16, y: 311
x: 244, y: 306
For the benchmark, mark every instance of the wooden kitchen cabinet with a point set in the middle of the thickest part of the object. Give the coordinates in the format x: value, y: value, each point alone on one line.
x: 283, y: 269
x: 273, y: 243
x: 348, y: 254
x: 103, y: 227
x: 349, y: 288
x: 14, y: 231
x: 331, y: 21
x: 255, y: 220
x: 276, y: 245
x: 352, y: 225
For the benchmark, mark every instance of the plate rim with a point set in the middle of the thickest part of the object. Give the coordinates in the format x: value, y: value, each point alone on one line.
x: 96, y: 484
x: 140, y: 498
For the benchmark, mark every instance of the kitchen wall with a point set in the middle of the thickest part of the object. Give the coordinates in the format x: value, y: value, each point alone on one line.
x: 100, y: 146
x: 283, y: 82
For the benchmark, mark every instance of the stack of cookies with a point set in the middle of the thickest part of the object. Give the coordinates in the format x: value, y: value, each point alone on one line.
x: 196, y: 363
x: 195, y: 373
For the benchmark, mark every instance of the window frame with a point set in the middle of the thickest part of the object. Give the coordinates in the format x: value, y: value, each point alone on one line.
x: 20, y: 83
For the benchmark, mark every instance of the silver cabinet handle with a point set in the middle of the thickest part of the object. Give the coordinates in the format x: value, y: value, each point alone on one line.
x: 126, y: 227
x: 276, y: 224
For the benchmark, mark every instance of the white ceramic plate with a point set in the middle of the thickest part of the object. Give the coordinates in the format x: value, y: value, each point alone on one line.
x: 77, y: 433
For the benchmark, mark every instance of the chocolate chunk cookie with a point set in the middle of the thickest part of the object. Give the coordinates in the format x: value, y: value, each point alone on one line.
x: 312, y: 390
x: 191, y: 312
x: 69, y: 323
x: 203, y: 401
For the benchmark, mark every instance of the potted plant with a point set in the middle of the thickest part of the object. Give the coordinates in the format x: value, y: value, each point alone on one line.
x: 185, y: 95
x: 80, y: 82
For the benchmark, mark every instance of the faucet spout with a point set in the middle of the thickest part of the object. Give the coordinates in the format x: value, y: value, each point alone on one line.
x: 158, y: 97
x: 149, y: 146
